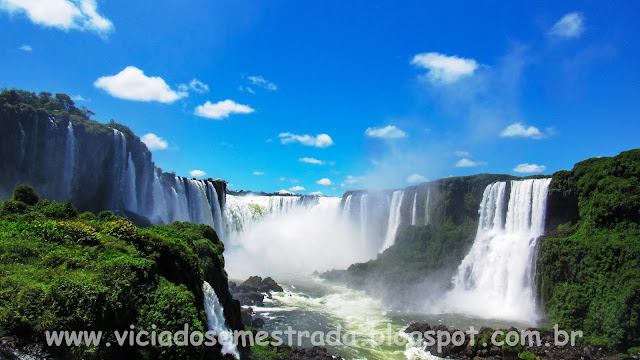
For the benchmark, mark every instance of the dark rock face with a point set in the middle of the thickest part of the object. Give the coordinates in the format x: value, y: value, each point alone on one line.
x: 252, y: 291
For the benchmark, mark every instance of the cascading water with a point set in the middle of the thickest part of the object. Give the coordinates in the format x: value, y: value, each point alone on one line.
x: 363, y: 219
x: 427, y: 208
x: 414, y: 213
x: 130, y: 183
x: 495, y: 279
x: 394, y: 219
x: 217, y: 322
x: 70, y: 157
x: 346, y: 210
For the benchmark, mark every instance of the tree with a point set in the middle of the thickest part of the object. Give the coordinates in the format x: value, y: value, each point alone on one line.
x: 26, y: 194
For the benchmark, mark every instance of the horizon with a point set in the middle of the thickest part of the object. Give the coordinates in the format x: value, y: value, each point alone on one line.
x: 303, y: 98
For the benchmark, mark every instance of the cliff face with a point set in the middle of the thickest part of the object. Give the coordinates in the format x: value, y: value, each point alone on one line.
x: 50, y: 144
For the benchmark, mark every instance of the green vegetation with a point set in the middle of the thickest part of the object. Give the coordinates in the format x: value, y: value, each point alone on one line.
x: 588, y: 273
x: 64, y: 271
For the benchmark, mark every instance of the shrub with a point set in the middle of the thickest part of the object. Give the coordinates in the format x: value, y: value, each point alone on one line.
x: 12, y: 207
x: 26, y: 194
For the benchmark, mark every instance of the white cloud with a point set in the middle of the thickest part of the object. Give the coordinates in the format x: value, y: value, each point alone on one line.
x: 62, y: 14
x: 194, y: 85
x: 132, y: 84
x: 283, y: 178
x: 262, y: 82
x: 469, y: 163
x: 222, y: 109
x: 79, y: 98
x: 569, y: 26
x: 197, y: 173
x: 316, y: 193
x: 416, y: 179
x: 312, y: 161
x: 320, y: 140
x: 258, y: 173
x: 387, y: 132
x: 325, y: 182
x: 529, y: 168
x: 154, y: 142
x: 284, y: 192
x: 25, y: 47
x: 519, y: 130
x: 297, y: 188
x: 443, y: 69
x: 462, y: 154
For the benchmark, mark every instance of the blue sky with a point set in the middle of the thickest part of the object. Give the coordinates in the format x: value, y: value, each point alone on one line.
x: 274, y: 95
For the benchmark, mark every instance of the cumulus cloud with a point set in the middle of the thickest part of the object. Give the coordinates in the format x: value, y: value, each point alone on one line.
x: 194, y: 85
x: 569, y: 26
x: 297, y: 188
x: 469, y: 163
x: 416, y: 179
x: 387, y: 132
x: 132, y: 84
x: 284, y: 192
x: 529, y: 168
x: 197, y: 173
x: 262, y: 82
x: 320, y: 140
x: 444, y: 69
x: 61, y: 14
x: 519, y: 130
x: 26, y: 48
x: 154, y: 142
x: 312, y: 161
x: 316, y: 193
x: 324, y: 181
x: 222, y: 109
x: 258, y: 173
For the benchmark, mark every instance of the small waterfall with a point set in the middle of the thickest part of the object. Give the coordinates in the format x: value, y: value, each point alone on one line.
x: 21, y: 144
x: 217, y: 322
x: 363, y: 219
x: 346, y: 209
x: 394, y: 219
x: 70, y: 159
x: 160, y: 208
x: 413, y: 209
x: 131, y: 194
x: 495, y: 279
x: 427, y: 209
x: 216, y: 210
x: 119, y: 167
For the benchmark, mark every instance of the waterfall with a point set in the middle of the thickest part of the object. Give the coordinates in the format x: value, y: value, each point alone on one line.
x: 413, y: 209
x: 69, y: 162
x: 160, y: 212
x: 346, y: 209
x: 427, y: 210
x: 216, y: 321
x: 119, y: 166
x: 21, y: 144
x: 131, y: 200
x: 394, y: 219
x: 363, y: 219
x: 495, y: 279
x: 216, y: 209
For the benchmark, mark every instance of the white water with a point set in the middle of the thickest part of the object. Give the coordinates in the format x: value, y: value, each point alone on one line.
x: 363, y: 220
x: 283, y: 235
x: 413, y: 209
x: 216, y: 321
x: 70, y: 158
x: 495, y: 279
x: 394, y: 219
x: 427, y: 209
x: 346, y: 210
x: 130, y: 184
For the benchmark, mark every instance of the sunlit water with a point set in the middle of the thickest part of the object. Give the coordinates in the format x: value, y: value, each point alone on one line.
x: 314, y: 305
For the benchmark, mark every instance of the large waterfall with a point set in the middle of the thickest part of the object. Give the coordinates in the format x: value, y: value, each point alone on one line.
x: 287, y: 235
x: 495, y: 279
x: 394, y: 219
x: 216, y: 321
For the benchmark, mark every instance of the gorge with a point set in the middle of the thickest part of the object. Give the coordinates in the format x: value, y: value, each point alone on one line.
x: 479, y: 250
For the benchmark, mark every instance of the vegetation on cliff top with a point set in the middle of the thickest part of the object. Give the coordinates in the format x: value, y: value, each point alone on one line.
x: 60, y: 270
x: 589, y: 269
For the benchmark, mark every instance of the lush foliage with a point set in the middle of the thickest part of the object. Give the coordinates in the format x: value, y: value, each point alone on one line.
x: 64, y: 271
x: 589, y: 268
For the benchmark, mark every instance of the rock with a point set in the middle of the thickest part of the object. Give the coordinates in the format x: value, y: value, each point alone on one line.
x: 257, y: 323
x: 417, y: 327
